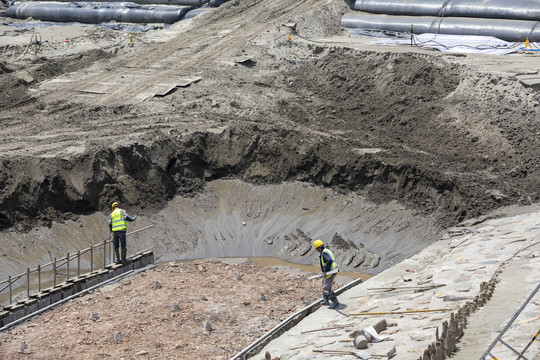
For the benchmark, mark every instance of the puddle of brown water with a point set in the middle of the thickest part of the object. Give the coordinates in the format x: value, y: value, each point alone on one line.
x: 315, y: 269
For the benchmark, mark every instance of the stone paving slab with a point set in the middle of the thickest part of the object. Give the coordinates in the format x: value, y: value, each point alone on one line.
x: 452, y: 272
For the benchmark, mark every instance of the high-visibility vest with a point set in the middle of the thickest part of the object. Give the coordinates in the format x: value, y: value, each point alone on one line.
x: 117, y: 220
x: 334, y: 265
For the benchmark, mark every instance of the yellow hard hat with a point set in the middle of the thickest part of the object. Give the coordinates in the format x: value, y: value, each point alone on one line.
x: 114, y: 204
x: 317, y: 243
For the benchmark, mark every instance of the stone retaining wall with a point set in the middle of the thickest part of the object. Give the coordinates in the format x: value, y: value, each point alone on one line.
x: 452, y: 331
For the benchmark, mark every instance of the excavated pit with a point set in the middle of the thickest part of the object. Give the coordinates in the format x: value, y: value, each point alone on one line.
x: 233, y: 219
x: 374, y: 151
x: 376, y: 145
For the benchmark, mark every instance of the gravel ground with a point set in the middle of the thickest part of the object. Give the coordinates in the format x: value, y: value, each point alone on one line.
x: 221, y: 309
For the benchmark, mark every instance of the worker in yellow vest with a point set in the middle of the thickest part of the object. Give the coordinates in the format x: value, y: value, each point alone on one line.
x: 118, y: 226
x: 328, y: 265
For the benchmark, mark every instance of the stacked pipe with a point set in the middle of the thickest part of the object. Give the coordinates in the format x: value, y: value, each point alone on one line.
x: 195, y: 3
x: 111, y: 10
x: 509, y: 21
x: 95, y: 14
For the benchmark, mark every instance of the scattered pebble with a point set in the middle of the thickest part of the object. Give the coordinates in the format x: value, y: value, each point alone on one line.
x: 419, y: 336
x: 117, y: 338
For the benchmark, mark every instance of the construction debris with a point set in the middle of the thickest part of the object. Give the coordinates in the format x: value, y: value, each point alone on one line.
x: 360, y: 354
x: 397, y: 312
x: 360, y: 342
x: 326, y: 328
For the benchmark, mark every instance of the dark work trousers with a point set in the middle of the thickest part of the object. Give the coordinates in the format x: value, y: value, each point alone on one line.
x: 119, y: 238
x: 327, y: 285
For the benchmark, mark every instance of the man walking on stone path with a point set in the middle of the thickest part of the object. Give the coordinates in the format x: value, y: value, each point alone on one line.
x: 328, y: 264
x: 118, y: 226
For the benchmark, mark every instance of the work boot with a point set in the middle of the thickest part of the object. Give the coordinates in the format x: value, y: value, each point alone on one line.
x: 117, y: 256
x: 325, y: 299
x: 124, y: 261
x: 335, y: 302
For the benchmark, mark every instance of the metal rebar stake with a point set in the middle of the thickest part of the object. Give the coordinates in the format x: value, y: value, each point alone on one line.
x: 27, y: 282
x: 54, y: 272
x: 10, y: 291
x: 67, y: 267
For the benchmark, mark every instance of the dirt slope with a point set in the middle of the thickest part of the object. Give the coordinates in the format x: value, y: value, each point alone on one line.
x: 436, y: 136
x: 443, y: 139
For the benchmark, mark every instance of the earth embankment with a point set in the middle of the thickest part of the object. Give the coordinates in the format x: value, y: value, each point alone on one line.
x: 442, y: 139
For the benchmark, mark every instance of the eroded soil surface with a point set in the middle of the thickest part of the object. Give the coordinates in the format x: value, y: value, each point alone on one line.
x: 442, y: 138
x: 221, y: 309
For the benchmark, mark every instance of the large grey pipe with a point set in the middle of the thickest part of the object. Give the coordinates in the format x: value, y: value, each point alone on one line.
x: 497, y: 9
x: 96, y: 14
x: 195, y: 12
x: 196, y: 3
x: 508, y: 30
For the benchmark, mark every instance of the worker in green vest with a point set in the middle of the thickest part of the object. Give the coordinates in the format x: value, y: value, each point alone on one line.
x: 328, y: 264
x: 118, y: 226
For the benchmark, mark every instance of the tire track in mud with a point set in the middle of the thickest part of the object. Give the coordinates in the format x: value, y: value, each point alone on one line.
x: 199, y: 47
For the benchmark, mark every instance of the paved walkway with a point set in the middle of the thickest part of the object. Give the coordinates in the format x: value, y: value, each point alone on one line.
x: 450, y: 272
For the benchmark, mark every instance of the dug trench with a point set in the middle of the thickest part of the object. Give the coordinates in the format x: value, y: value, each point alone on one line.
x: 216, y: 195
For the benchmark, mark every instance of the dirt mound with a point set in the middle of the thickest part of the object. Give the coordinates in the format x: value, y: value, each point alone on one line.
x: 13, y: 90
x: 4, y: 68
x: 50, y: 68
